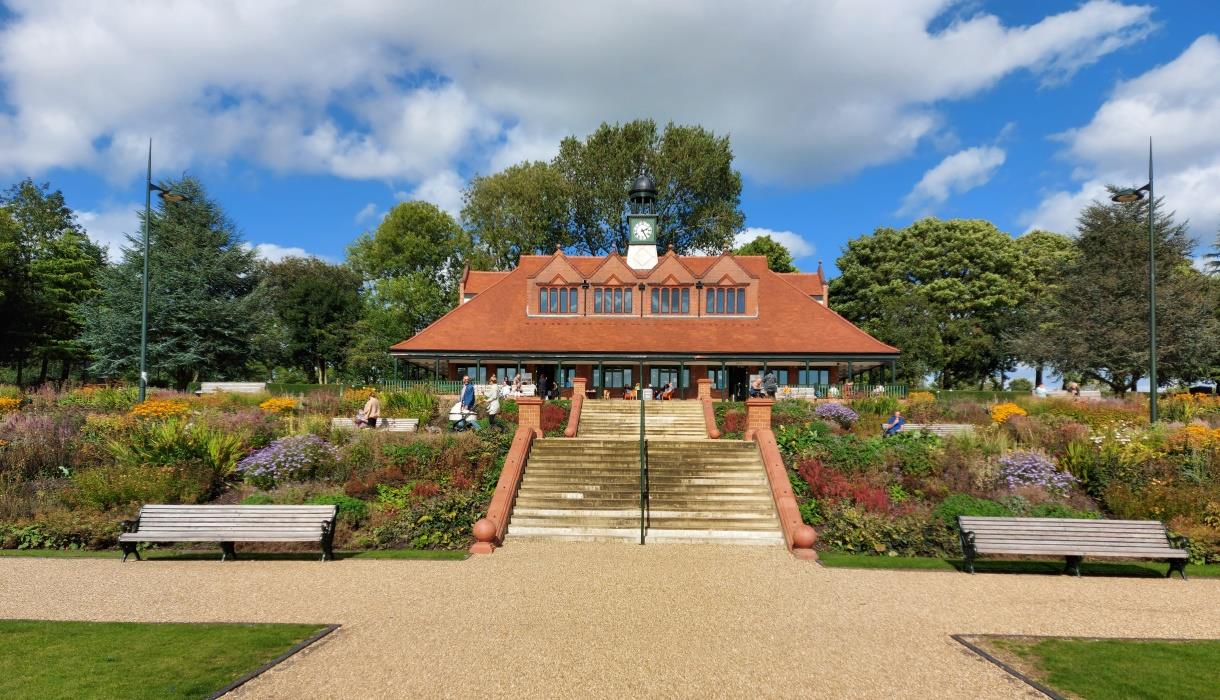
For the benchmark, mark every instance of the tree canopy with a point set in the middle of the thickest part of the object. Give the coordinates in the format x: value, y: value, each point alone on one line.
x: 316, y: 306
x: 778, y: 257
x: 578, y: 200
x: 1050, y: 258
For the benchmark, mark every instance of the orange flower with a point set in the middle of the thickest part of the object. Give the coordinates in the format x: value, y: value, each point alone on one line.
x: 8, y: 405
x: 279, y: 405
x: 160, y: 408
x: 1003, y: 411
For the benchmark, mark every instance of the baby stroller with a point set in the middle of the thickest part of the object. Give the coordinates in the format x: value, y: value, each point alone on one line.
x: 462, y: 419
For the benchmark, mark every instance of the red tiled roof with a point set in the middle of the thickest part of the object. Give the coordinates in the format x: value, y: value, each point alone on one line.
x: 477, y: 280
x: 788, y: 321
x: 808, y: 282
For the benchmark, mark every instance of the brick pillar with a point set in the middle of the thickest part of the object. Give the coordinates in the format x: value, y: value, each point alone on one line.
x: 579, y: 384
x: 529, y: 413
x: 758, y: 415
x: 705, y: 389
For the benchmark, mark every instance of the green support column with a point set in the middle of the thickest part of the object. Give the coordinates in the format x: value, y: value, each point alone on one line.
x: 558, y: 378
x: 806, y: 374
x: 681, y: 389
x: 477, y: 366
x: 724, y: 380
x: 436, y: 371
x: 601, y: 381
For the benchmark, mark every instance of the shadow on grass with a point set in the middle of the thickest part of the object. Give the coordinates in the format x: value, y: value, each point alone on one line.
x: 214, y: 555
x: 1127, y: 569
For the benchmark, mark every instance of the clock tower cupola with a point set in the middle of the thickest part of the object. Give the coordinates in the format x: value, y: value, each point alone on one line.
x: 642, y: 223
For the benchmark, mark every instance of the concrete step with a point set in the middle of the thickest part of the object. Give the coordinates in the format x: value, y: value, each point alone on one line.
x: 661, y: 523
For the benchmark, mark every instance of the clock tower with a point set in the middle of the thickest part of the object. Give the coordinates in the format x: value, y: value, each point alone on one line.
x: 642, y: 223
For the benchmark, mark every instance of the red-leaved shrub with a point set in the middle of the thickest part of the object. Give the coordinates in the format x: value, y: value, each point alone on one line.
x: 833, y: 486
x: 734, y: 422
x: 554, y: 417
x: 425, y: 489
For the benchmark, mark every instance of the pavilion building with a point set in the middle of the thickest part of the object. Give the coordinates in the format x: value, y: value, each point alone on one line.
x: 650, y: 318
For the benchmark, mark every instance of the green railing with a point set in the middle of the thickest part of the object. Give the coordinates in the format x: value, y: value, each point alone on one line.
x: 857, y: 390
x: 643, y: 473
x: 439, y: 386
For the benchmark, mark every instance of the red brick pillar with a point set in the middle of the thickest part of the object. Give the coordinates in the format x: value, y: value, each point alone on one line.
x: 579, y: 384
x: 529, y: 413
x: 705, y: 389
x: 758, y: 415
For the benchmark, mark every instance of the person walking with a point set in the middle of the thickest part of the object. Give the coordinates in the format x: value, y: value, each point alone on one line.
x: 372, y: 409
x: 494, y: 393
x: 770, y: 384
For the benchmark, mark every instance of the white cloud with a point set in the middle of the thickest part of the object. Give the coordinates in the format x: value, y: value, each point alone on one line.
x: 109, y: 226
x: 794, y: 242
x: 366, y: 213
x: 1178, y: 105
x: 958, y: 173
x: 443, y: 189
x: 405, y: 90
x: 272, y: 252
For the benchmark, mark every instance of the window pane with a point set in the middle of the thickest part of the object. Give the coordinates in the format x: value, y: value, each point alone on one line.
x: 711, y: 301
x: 664, y: 301
x: 719, y: 301
x: 618, y: 301
x: 741, y: 301
x: 572, y: 297
x: 554, y: 297
x: 627, y: 301
x: 542, y: 301
x: 563, y: 301
x: 782, y: 376
x: 656, y: 301
x: 686, y: 301
x: 597, y: 301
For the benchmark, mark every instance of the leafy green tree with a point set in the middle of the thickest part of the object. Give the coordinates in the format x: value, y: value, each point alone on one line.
x: 1050, y: 258
x: 778, y: 257
x: 578, y: 200
x: 410, y: 266
x: 203, y: 305
x: 1213, y: 258
x: 1101, y: 323
x: 966, y: 277
x: 51, y: 269
x: 316, y: 305
x: 521, y: 210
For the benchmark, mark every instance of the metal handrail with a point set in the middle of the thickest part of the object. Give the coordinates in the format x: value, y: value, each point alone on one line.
x: 643, y: 472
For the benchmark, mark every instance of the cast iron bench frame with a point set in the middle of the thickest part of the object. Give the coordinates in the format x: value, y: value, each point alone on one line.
x: 1071, y: 539
x: 230, y: 524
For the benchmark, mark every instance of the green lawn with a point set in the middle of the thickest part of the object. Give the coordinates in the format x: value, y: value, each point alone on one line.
x: 1148, y: 569
x: 43, y: 659
x: 203, y: 555
x: 1115, y: 669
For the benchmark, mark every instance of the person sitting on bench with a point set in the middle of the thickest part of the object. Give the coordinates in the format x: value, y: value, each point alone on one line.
x: 893, y: 425
x: 667, y: 391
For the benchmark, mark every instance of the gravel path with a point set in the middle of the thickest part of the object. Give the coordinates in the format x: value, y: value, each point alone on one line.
x: 611, y: 620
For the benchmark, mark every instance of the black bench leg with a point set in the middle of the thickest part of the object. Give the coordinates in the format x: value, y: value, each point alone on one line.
x: 1073, y: 565
x: 1178, y: 565
x: 129, y: 548
x: 229, y: 552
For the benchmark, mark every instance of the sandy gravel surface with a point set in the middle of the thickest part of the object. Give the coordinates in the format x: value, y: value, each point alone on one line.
x: 611, y: 620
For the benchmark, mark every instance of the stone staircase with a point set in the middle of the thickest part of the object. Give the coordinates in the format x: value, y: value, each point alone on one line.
x: 663, y: 419
x: 700, y: 490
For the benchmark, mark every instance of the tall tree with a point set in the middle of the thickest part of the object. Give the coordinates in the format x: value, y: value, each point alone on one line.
x: 203, y: 308
x: 967, y: 276
x: 1050, y: 258
x: 1213, y: 258
x: 411, y: 266
x: 1101, y: 324
x: 52, y: 271
x: 578, y: 200
x: 778, y: 257
x: 315, y: 305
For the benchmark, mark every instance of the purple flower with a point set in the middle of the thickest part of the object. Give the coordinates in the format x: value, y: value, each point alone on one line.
x: 288, y: 459
x: 837, y: 412
x: 1033, y: 468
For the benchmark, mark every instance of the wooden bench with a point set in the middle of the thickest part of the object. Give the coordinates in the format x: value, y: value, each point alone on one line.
x: 232, y: 387
x: 1085, y: 394
x: 1072, y: 539
x: 229, y: 524
x: 941, y: 429
x: 392, y: 425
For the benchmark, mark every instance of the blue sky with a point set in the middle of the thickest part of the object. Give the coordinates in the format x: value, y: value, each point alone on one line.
x: 308, y: 122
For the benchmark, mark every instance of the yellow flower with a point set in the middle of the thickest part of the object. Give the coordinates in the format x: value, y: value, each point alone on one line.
x: 279, y: 405
x: 8, y: 405
x: 921, y: 397
x: 1003, y: 411
x: 160, y: 408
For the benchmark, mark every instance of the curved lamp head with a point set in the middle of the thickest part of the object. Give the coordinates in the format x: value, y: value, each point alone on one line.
x: 1128, y: 196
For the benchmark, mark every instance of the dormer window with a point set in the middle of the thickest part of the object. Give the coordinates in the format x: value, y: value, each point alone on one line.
x: 612, y: 300
x: 725, y: 302
x: 671, y: 300
x: 558, y: 300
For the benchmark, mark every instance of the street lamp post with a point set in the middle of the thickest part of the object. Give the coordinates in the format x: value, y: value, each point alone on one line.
x: 1127, y: 196
x: 168, y: 196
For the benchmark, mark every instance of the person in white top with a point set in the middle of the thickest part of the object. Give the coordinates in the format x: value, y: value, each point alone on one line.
x: 494, y: 393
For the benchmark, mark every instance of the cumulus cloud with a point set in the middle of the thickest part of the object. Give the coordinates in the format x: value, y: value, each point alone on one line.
x: 109, y: 226
x: 443, y: 189
x: 958, y: 173
x: 367, y: 213
x: 403, y: 90
x: 1178, y: 105
x: 794, y: 242
x: 272, y: 252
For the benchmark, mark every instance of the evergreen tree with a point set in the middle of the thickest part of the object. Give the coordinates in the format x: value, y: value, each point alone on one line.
x: 203, y: 308
x: 1050, y: 258
x: 1101, y: 321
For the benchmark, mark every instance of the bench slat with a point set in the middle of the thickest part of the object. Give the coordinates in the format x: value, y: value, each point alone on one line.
x: 1069, y: 537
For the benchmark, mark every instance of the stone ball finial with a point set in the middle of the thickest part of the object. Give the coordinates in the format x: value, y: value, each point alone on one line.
x: 485, y: 530
x: 803, y: 537
x: 671, y: 247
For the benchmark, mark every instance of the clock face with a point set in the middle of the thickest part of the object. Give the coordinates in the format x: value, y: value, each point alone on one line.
x: 642, y: 230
